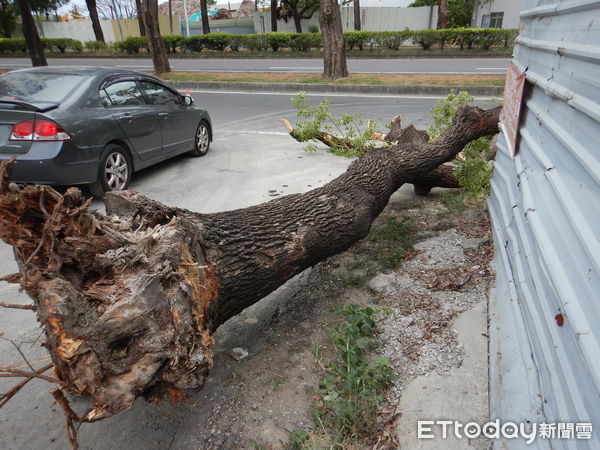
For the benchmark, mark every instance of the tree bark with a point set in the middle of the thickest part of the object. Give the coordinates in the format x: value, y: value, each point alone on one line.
x: 273, y: 15
x: 205, y: 22
x: 334, y: 52
x: 129, y: 300
x: 297, y: 21
x: 140, y: 16
x: 30, y: 32
x: 444, y: 14
x: 356, y: 5
x: 155, y: 41
x: 93, y: 10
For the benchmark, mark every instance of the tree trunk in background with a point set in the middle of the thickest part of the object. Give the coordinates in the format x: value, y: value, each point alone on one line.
x: 140, y: 16
x: 297, y: 21
x: 129, y: 301
x: 444, y: 14
x: 93, y: 10
x: 204, y: 10
x: 334, y: 51
x: 357, y: 15
x: 273, y: 15
x: 155, y: 42
x: 30, y: 32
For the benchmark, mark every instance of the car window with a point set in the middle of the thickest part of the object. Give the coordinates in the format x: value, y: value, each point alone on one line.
x: 38, y: 86
x: 124, y: 93
x: 159, y: 95
x: 104, y: 98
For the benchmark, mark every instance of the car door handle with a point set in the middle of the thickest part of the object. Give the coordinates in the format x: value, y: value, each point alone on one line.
x: 126, y: 116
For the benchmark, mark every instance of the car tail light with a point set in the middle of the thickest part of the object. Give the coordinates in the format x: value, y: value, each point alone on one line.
x: 38, y: 130
x: 22, y: 131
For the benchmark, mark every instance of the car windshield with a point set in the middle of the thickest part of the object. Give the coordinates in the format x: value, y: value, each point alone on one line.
x: 38, y: 86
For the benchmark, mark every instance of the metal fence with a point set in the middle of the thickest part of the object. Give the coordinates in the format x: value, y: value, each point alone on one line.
x: 545, y: 210
x: 372, y: 19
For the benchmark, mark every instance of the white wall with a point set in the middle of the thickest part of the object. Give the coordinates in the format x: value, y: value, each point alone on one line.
x: 77, y: 29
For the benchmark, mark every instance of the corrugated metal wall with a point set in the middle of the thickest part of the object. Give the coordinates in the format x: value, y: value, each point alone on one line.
x: 373, y: 19
x: 545, y: 209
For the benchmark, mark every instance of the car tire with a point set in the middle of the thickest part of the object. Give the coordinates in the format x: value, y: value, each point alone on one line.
x: 201, y: 140
x: 114, y: 171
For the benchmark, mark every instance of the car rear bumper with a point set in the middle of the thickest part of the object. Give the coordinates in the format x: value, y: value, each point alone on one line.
x: 55, y: 163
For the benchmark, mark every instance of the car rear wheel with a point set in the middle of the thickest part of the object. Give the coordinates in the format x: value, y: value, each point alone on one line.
x: 114, y: 171
x: 202, y: 140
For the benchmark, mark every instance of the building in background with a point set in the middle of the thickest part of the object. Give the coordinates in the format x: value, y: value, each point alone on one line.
x: 496, y: 13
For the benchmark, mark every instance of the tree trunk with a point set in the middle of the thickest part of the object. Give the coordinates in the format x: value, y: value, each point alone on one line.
x: 442, y: 176
x: 204, y: 10
x: 155, y: 41
x: 334, y: 52
x: 297, y: 21
x: 273, y: 15
x: 129, y: 300
x: 356, y: 15
x: 30, y: 32
x: 444, y: 14
x: 93, y: 10
x: 140, y: 17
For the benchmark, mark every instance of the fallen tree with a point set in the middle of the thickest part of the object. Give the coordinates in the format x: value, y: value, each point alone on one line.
x: 129, y: 300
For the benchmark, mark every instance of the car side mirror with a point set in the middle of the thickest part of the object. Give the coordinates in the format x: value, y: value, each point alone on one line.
x: 187, y: 100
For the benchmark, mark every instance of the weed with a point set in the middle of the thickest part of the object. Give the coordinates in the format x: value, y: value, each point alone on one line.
x: 353, y: 385
x: 454, y: 203
x: 275, y: 383
x: 390, y: 241
x: 298, y: 437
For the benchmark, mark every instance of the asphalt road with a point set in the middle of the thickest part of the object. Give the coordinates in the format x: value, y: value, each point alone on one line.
x: 250, y: 156
x: 282, y: 65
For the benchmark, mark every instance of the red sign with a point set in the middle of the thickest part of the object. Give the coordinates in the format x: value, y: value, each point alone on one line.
x: 509, y: 117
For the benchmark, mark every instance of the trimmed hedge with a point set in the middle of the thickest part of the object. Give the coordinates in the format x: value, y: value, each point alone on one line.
x: 132, y: 44
x: 392, y: 40
x: 13, y: 45
x: 62, y: 44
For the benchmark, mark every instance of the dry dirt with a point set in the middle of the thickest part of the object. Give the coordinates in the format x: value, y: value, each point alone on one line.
x: 374, y: 79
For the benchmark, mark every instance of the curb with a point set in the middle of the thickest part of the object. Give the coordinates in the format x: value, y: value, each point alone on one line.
x: 486, y: 91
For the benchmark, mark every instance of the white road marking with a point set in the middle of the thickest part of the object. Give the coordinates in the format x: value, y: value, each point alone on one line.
x: 297, y: 67
x: 333, y: 94
x: 491, y: 68
x: 134, y: 67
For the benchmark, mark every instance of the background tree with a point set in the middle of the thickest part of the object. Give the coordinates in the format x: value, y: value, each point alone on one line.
x: 140, y: 17
x: 274, y: 15
x: 204, y: 10
x: 155, y: 41
x: 8, y: 18
x: 334, y: 51
x: 298, y: 10
x: 93, y: 11
x: 356, y: 8
x: 443, y: 16
x: 459, y: 11
x: 34, y: 44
